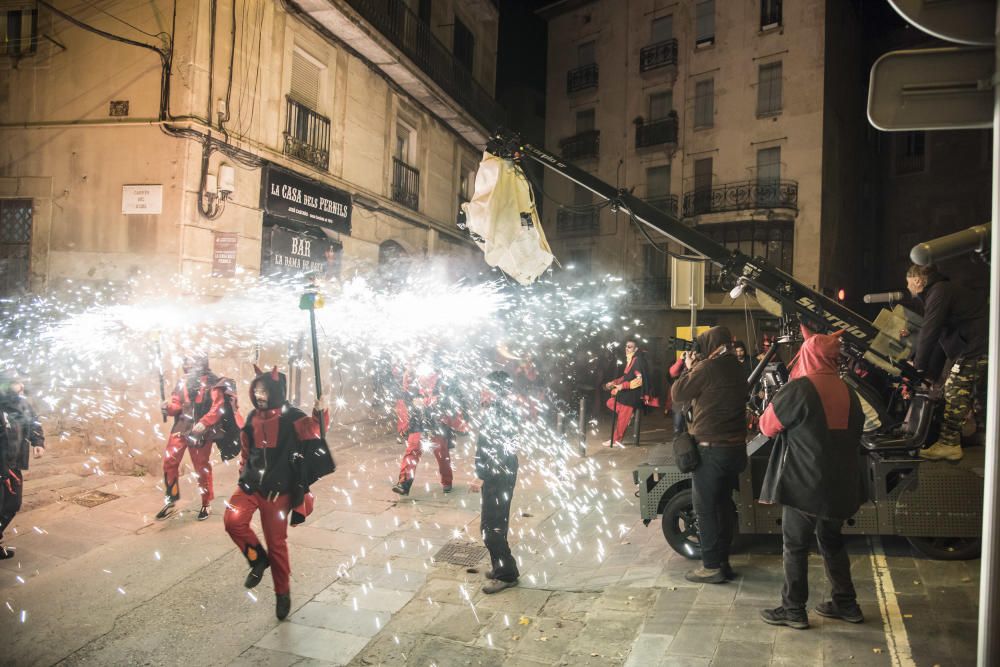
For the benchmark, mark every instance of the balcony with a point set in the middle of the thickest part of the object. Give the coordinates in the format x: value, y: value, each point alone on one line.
x: 650, y: 291
x: 659, y: 132
x: 660, y: 54
x: 742, y: 196
x: 580, y: 146
x: 578, y: 221
x: 581, y: 78
x: 413, y: 37
x: 307, y: 135
x: 666, y: 204
x: 405, y: 184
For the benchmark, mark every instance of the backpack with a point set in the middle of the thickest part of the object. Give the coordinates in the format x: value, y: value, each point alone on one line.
x: 226, y: 433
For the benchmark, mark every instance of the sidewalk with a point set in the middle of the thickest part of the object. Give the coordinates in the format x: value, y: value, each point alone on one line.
x: 108, y: 585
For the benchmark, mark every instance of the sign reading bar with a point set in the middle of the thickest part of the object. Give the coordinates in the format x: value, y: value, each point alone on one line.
x: 224, y: 254
x: 304, y: 200
x: 142, y: 199
x: 292, y: 252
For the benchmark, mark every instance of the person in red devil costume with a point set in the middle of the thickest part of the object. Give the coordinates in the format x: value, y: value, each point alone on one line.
x: 430, y: 412
x: 627, y: 391
x: 198, y: 405
x: 282, y: 455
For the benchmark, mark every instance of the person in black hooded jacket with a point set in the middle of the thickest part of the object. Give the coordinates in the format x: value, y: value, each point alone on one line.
x: 282, y: 455
x: 717, y: 390
x: 957, y: 321
x: 20, y: 435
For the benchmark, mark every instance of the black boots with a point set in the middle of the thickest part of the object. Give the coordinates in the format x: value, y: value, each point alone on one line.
x: 258, y: 563
x: 282, y: 605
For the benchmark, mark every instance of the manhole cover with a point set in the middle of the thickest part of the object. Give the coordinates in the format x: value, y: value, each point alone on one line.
x: 457, y: 552
x: 93, y: 498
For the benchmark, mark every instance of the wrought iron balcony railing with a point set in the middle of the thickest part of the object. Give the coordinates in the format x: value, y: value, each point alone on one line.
x: 650, y: 291
x: 413, y: 37
x: 741, y: 196
x: 582, y: 145
x: 405, y: 184
x: 658, y: 55
x: 307, y: 135
x: 578, y: 221
x: 657, y: 132
x: 582, y: 78
x: 667, y: 203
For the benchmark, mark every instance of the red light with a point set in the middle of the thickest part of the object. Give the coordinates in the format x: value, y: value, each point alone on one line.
x: 841, y: 294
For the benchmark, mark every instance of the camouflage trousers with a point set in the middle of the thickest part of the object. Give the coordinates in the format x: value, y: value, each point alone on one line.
x: 959, y: 390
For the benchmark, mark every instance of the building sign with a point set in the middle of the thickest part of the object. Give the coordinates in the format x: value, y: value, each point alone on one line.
x: 224, y: 254
x: 304, y: 200
x: 291, y: 252
x: 142, y: 199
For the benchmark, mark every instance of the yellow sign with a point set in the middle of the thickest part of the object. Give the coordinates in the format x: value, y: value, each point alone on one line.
x: 685, y: 333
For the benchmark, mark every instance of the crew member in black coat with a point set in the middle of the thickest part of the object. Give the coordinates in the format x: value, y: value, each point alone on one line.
x: 957, y: 321
x: 496, y: 466
x: 282, y: 455
x: 815, y: 472
x: 20, y: 435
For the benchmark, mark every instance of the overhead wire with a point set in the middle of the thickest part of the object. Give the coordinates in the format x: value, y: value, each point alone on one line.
x: 158, y: 35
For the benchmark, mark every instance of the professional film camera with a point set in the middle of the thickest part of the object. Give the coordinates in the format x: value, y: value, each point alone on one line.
x: 937, y: 506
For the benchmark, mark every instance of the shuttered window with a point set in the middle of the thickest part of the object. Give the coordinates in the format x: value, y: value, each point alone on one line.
x: 305, y: 81
x: 769, y: 89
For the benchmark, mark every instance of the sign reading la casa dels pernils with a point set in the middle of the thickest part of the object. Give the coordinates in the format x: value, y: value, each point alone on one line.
x: 303, y: 200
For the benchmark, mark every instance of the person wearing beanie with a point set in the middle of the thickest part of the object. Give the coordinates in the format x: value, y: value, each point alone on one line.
x: 716, y: 388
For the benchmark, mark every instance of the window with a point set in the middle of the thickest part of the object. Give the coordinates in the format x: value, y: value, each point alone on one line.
x: 702, y: 186
x: 19, y: 29
x: 769, y: 89
x: 662, y: 29
x: 15, y: 245
x: 585, y: 121
x: 774, y: 241
x: 465, y: 45
x: 704, y: 103
x: 910, y: 153
x: 768, y: 176
x: 658, y: 182
x: 403, y: 150
x: 586, y: 53
x: 305, y: 80
x: 579, y: 258
x: 660, y: 105
x: 770, y: 13
x: 704, y: 22
x: 424, y: 11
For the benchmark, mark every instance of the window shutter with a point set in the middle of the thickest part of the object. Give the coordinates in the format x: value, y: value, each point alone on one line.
x: 305, y: 81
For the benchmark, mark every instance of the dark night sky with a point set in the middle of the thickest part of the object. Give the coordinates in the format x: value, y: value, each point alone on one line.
x: 521, y: 45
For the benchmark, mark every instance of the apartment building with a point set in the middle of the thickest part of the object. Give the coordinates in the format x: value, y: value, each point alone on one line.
x: 741, y: 118
x: 215, y: 136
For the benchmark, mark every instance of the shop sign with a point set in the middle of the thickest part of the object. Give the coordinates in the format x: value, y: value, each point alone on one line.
x: 303, y: 200
x: 293, y: 252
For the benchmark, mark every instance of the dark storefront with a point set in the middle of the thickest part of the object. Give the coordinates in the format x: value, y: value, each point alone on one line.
x: 298, y: 213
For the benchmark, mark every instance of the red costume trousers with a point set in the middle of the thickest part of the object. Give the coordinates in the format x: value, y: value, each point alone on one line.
x: 273, y: 519
x: 624, y: 413
x: 412, y: 457
x: 172, y: 457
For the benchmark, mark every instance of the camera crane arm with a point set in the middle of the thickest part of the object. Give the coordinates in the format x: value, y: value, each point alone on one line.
x: 821, y: 313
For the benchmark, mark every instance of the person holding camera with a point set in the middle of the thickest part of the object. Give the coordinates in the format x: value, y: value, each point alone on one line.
x: 716, y: 388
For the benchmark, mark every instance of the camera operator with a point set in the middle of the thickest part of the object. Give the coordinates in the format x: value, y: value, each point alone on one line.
x: 717, y: 390
x: 955, y: 320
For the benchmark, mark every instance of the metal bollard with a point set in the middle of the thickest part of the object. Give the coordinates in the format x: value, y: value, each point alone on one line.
x: 581, y: 424
x: 638, y: 419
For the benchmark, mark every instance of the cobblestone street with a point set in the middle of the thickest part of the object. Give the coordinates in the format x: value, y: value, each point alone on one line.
x: 108, y: 585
